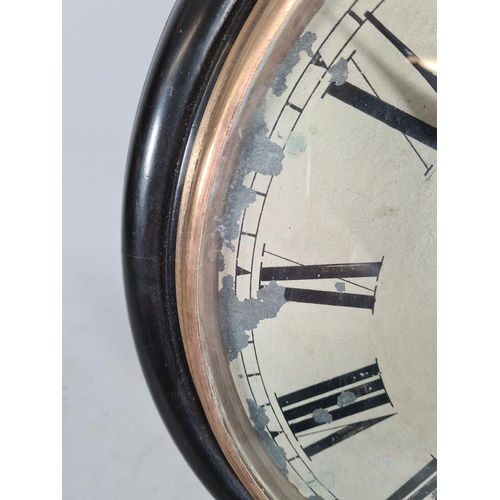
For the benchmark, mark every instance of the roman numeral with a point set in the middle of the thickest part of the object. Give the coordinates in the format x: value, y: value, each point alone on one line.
x: 326, y: 271
x: 332, y: 401
x: 339, y: 436
x: 420, y: 486
x: 384, y: 112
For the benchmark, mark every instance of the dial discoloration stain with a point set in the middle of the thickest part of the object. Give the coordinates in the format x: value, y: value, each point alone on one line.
x: 303, y: 44
x: 384, y: 211
x: 339, y: 72
x: 260, y: 420
x: 239, y: 199
x: 222, y: 264
x: 321, y: 416
x: 296, y: 144
x: 238, y: 316
x: 259, y: 155
x: 346, y: 398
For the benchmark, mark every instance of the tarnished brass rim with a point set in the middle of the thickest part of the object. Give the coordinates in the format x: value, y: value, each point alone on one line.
x: 196, y: 262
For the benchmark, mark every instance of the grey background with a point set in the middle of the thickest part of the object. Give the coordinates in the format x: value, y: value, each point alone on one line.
x: 115, y: 445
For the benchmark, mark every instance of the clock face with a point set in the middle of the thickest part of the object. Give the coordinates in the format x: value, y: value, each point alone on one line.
x: 324, y: 266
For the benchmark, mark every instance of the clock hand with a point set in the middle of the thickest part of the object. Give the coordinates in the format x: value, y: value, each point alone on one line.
x: 418, y: 63
x: 384, y: 112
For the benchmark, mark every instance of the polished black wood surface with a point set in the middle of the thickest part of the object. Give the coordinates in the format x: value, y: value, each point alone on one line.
x: 189, y: 56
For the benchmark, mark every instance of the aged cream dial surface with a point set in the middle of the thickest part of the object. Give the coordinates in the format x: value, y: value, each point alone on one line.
x: 327, y: 259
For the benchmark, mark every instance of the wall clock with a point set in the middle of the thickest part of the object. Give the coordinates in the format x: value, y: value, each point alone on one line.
x: 279, y: 246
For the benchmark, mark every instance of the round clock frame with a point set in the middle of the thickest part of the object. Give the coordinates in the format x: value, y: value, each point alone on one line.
x: 189, y: 56
x: 208, y: 62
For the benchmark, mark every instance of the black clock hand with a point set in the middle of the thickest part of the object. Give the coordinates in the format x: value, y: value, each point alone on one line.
x: 384, y: 112
x: 418, y: 63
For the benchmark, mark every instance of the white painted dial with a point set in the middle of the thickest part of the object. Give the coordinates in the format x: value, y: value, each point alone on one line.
x: 328, y: 261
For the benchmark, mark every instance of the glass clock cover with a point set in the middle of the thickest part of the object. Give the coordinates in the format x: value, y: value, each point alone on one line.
x: 305, y: 252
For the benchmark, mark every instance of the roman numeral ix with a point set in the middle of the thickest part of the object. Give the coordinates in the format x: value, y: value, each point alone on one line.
x: 332, y: 401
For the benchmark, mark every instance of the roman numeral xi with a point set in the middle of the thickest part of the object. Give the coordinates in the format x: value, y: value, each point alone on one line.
x: 332, y: 402
x: 343, y: 272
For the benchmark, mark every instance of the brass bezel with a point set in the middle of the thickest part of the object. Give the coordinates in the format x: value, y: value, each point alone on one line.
x: 250, y: 64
